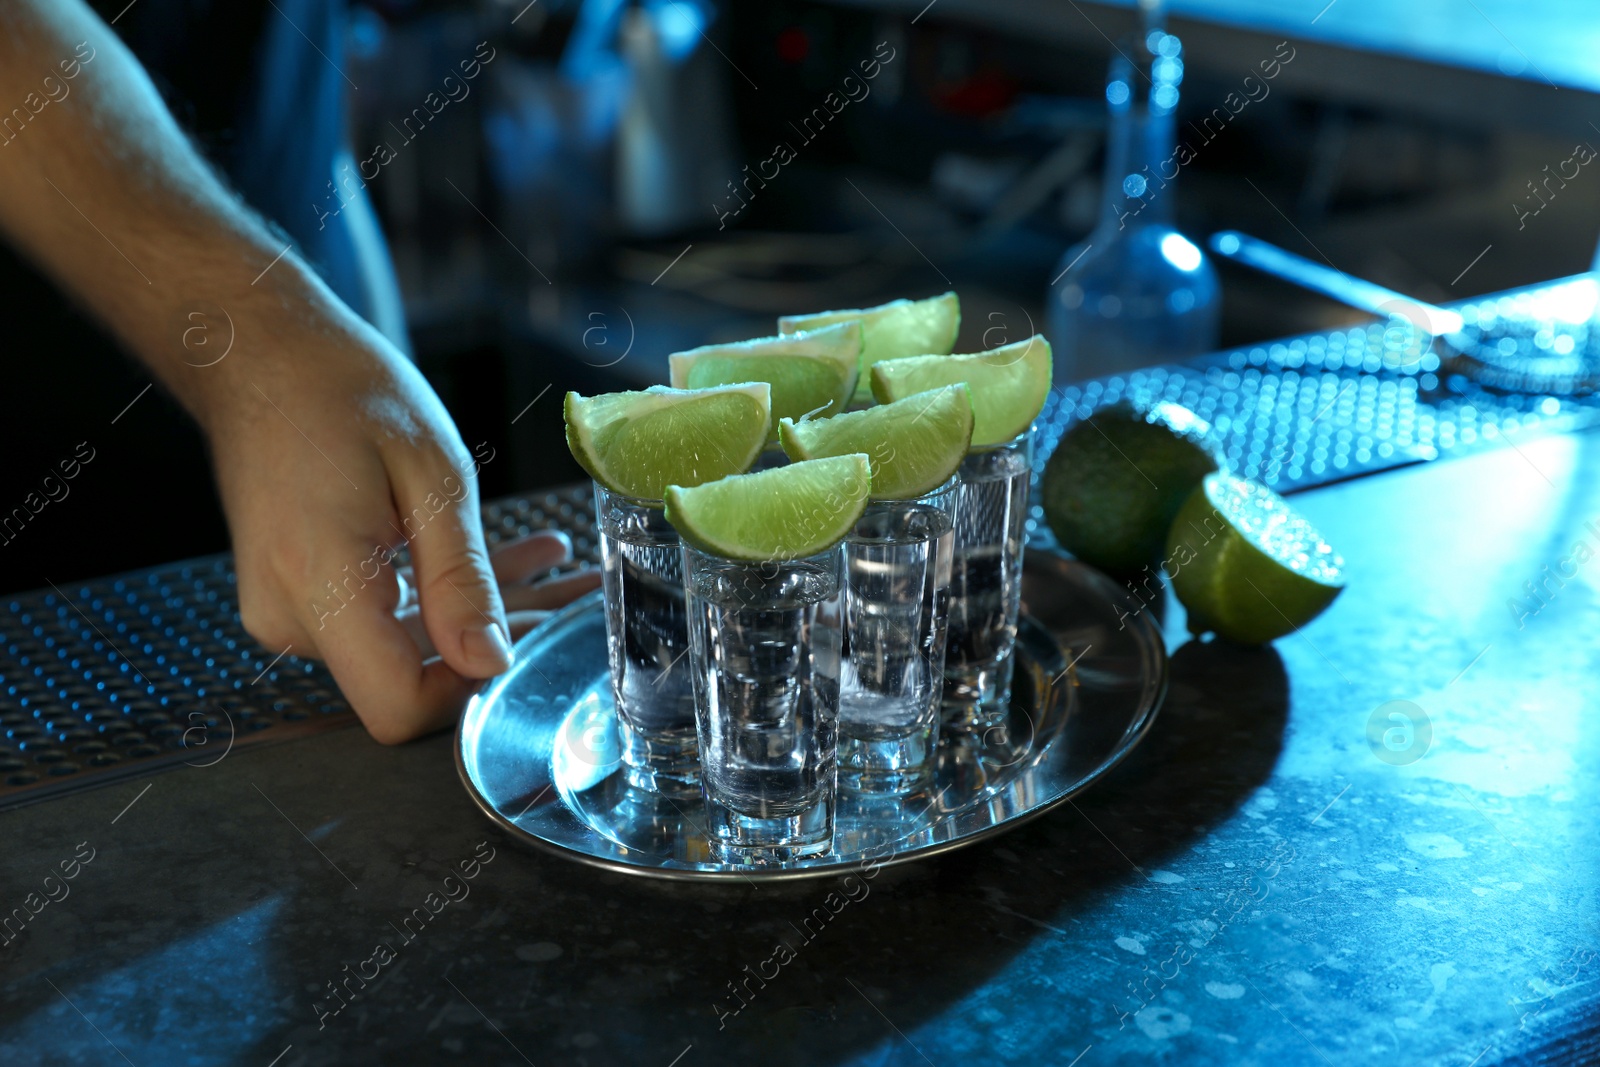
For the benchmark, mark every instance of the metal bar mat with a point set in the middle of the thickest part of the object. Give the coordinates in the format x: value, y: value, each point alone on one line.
x: 112, y: 678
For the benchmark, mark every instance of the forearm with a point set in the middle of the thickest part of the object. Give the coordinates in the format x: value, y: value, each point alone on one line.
x: 102, y: 190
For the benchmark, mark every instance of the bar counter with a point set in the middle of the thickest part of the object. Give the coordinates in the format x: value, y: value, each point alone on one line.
x: 1273, y: 876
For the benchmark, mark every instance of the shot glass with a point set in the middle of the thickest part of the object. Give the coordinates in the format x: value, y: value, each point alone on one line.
x: 647, y: 641
x: 897, y: 571
x: 764, y: 656
x: 986, y: 584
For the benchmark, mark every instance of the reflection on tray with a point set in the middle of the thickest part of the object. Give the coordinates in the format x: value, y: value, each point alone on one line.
x: 974, y: 770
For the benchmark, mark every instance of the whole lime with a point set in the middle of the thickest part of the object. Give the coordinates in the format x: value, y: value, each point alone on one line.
x: 1117, y: 479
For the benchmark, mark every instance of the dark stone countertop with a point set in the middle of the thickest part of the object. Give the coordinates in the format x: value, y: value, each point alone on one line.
x: 1254, y: 885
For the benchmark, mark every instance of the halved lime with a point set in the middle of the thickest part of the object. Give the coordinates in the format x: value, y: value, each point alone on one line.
x: 1009, y: 385
x: 639, y: 443
x: 894, y: 330
x: 915, y: 444
x: 1246, y: 564
x: 807, y: 371
x: 787, y: 513
x: 1116, y: 480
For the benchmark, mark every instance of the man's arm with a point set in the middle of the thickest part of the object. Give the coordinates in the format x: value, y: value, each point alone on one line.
x: 330, y: 449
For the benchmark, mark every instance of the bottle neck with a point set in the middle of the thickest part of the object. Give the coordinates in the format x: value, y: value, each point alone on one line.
x: 1141, y: 157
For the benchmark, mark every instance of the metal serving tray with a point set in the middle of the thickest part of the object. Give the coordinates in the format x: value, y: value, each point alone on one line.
x: 538, y: 751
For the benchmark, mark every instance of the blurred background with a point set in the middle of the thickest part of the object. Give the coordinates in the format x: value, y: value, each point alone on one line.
x: 612, y: 189
x: 571, y: 190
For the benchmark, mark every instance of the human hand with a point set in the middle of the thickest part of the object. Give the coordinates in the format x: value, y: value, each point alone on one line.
x: 331, y: 453
x: 330, y: 449
x: 514, y: 562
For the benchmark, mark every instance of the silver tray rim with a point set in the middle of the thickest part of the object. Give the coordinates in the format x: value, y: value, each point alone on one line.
x: 1037, y: 558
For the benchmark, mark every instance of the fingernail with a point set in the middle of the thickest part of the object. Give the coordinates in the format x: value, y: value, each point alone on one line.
x: 487, y: 645
x: 566, y: 543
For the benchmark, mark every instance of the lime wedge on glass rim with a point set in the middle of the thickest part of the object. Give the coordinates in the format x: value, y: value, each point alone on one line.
x: 786, y: 513
x: 813, y: 371
x: 1009, y: 385
x: 1246, y: 565
x: 915, y: 444
x: 891, y: 331
x: 639, y: 443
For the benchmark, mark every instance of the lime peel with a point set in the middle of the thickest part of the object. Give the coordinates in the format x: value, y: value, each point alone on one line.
x: 788, y: 513
x: 1116, y: 480
x: 808, y: 371
x: 894, y: 330
x: 1009, y: 385
x: 638, y: 443
x: 915, y: 444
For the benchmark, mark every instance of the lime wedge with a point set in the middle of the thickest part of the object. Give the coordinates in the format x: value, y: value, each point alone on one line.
x: 894, y: 330
x: 1246, y: 564
x: 807, y: 371
x: 787, y: 513
x: 1009, y: 385
x: 1116, y: 480
x: 915, y: 444
x: 637, y: 444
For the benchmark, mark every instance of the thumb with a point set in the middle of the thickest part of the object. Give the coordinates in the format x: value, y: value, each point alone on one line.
x: 456, y: 586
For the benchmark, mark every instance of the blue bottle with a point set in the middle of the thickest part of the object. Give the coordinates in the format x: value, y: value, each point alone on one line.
x: 1135, y: 292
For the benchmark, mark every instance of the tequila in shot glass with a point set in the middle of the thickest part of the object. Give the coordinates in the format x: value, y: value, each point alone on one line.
x: 764, y: 573
x: 897, y: 569
x: 635, y: 445
x: 986, y: 584
x: 647, y: 641
x: 1008, y: 387
x: 764, y: 657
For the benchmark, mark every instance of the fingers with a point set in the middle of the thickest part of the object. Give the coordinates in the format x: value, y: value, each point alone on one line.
x: 373, y: 658
x: 410, y: 617
x: 456, y: 587
x: 551, y: 593
x: 265, y: 615
x: 526, y: 607
x: 517, y: 561
x: 520, y: 621
x: 513, y: 563
x: 381, y: 671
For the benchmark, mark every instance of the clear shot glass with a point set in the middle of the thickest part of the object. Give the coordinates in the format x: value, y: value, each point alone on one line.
x: 991, y: 513
x: 647, y: 643
x: 764, y: 657
x: 897, y: 564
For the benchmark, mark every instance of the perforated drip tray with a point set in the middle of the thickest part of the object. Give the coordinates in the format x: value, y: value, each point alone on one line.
x: 1309, y: 410
x: 1322, y: 407
x: 114, y: 677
